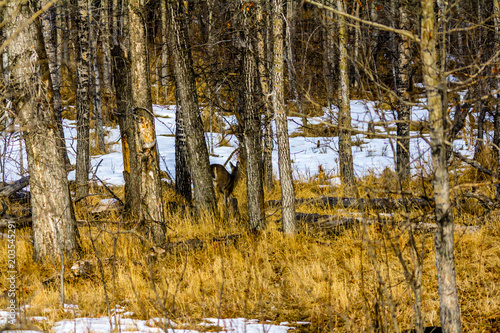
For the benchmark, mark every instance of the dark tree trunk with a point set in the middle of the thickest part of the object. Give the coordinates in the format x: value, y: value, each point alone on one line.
x: 204, y: 195
x: 54, y: 229
x: 123, y: 88
x: 151, y: 210
x: 182, y: 174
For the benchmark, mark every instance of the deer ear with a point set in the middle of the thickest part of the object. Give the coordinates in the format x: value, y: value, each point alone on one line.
x: 232, y: 165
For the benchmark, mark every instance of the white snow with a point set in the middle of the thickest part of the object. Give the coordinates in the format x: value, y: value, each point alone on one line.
x: 307, y: 153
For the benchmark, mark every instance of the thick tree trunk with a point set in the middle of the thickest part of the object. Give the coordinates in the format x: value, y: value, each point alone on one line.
x: 345, y: 152
x: 252, y: 142
x: 151, y: 211
x: 204, y: 195
x: 54, y: 230
x: 82, y: 99
x: 285, y: 165
x: 264, y: 86
x: 445, y: 261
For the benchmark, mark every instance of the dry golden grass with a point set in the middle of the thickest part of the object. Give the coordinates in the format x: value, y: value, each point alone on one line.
x: 352, y: 281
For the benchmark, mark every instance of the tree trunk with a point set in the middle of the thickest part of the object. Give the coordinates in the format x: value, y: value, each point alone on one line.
x: 285, y: 165
x: 123, y: 88
x: 345, y: 152
x: 54, y: 229
x: 82, y: 99
x: 329, y: 72
x: 151, y: 211
x: 164, y: 49
x: 50, y: 37
x: 96, y: 86
x: 264, y: 86
x: 252, y: 142
x: 182, y: 173
x: 496, y: 117
x: 402, y: 68
x: 445, y: 261
x: 204, y: 195
x: 107, y: 71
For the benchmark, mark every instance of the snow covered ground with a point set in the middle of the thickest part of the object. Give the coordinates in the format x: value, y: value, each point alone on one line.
x: 307, y: 153
x: 121, y: 323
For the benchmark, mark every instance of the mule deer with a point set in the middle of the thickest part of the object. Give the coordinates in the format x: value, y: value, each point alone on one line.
x: 225, y: 182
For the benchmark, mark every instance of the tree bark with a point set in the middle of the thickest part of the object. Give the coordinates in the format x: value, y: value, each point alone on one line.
x: 445, y: 261
x: 151, y: 210
x: 204, y: 195
x: 106, y: 41
x: 345, y: 152
x: 496, y: 117
x: 82, y: 98
x: 252, y: 136
x: 54, y: 230
x: 123, y: 88
x: 50, y: 37
x: 164, y: 49
x: 403, y: 109
x: 96, y: 86
x: 266, y: 103
x: 285, y: 165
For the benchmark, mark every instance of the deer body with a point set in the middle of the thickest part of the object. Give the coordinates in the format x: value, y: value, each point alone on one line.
x: 224, y: 181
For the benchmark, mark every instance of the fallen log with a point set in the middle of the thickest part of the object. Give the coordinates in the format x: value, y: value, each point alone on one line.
x: 377, y: 203
x: 335, y: 223
x: 12, y: 188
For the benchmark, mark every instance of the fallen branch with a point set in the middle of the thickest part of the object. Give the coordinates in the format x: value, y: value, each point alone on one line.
x: 377, y: 203
x: 472, y: 163
x: 12, y: 188
x: 19, y: 222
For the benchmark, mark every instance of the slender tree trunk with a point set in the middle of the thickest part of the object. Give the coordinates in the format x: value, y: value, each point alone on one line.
x: 151, y: 212
x: 264, y: 85
x: 204, y: 195
x: 496, y: 135
x: 164, y: 49
x: 252, y: 142
x: 291, y: 15
x: 82, y: 98
x: 330, y: 73
x: 285, y: 165
x: 182, y: 173
x: 107, y: 74
x: 345, y: 152
x: 445, y: 261
x: 96, y: 86
x: 30, y: 88
x: 402, y: 68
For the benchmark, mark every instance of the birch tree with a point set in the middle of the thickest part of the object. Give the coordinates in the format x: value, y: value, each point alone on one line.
x: 443, y: 241
x: 82, y: 55
x: 285, y: 166
x: 345, y: 152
